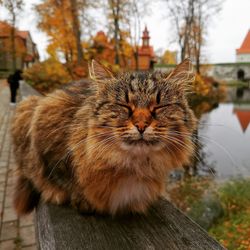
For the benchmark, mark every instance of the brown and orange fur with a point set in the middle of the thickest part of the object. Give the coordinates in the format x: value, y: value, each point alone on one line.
x: 105, y: 145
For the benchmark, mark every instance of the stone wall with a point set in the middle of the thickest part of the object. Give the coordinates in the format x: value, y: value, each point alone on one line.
x: 222, y: 71
x: 230, y: 71
x: 243, y: 57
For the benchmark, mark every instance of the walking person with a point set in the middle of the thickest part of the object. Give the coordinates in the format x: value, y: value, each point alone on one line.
x: 13, y: 81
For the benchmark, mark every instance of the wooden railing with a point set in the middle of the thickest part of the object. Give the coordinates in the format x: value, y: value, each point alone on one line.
x: 163, y: 227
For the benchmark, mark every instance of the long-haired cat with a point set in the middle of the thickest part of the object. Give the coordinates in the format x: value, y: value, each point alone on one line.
x: 105, y: 145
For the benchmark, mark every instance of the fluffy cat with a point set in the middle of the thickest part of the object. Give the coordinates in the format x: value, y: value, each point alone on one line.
x: 104, y: 145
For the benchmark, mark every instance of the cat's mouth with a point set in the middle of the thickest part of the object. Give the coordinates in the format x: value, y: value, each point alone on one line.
x: 141, y: 146
x: 140, y: 141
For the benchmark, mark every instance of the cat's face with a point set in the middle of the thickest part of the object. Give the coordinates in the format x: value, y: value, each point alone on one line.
x: 141, y: 112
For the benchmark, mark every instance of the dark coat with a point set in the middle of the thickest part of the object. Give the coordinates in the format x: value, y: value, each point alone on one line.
x: 14, y: 79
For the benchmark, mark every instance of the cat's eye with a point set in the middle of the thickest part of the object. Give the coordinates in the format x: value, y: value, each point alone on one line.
x: 129, y: 109
x: 126, y: 97
x: 164, y: 106
x: 158, y: 97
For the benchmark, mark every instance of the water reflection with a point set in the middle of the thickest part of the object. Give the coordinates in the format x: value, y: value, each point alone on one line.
x: 224, y: 137
x: 242, y: 111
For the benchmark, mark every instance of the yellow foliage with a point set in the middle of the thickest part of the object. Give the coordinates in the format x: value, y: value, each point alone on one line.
x: 47, y: 75
x: 55, y: 21
x: 169, y: 57
x: 200, y: 86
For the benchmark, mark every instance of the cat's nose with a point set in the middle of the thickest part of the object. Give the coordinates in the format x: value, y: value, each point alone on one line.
x: 141, y: 119
x: 141, y: 127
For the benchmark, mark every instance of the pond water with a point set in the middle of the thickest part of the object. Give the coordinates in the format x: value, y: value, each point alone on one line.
x: 224, y: 135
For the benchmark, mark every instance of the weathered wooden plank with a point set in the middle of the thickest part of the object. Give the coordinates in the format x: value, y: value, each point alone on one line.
x: 164, y: 227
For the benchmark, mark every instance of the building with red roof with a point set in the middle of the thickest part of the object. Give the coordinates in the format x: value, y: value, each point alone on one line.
x: 141, y: 59
x: 146, y: 55
x: 243, y: 53
x: 26, y: 50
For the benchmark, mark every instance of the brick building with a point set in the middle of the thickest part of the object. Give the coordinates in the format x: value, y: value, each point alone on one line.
x: 26, y: 50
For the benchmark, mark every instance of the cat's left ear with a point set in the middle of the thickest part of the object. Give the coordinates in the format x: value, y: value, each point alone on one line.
x: 98, y: 72
x: 183, y: 75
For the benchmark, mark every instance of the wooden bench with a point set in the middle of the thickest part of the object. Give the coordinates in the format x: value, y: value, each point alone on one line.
x: 164, y: 227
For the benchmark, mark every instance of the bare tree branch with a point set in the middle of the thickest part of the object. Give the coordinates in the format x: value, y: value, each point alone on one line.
x: 190, y: 19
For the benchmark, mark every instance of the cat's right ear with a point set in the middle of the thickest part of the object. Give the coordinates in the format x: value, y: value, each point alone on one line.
x: 182, y: 76
x: 98, y: 72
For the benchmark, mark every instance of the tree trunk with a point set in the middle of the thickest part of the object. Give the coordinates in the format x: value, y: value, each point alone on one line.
x: 116, y: 24
x: 13, y: 44
x: 77, y: 31
x: 198, y: 65
x: 68, y: 46
x: 115, y: 6
x: 136, y: 59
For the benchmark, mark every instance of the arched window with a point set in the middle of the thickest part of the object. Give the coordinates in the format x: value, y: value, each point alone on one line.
x: 241, y: 74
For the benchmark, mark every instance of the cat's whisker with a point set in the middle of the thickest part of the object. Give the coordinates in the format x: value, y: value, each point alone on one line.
x: 73, y: 126
x: 172, y: 154
x: 177, y: 141
x: 201, y: 123
x: 99, y: 144
x: 96, y: 144
x: 216, y: 143
x: 107, y: 145
x: 74, y: 148
x: 180, y: 143
x: 174, y: 139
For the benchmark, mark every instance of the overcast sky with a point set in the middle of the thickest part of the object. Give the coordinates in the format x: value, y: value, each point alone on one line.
x: 226, y: 32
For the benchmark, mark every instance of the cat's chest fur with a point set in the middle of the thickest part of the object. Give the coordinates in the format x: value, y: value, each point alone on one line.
x: 132, y: 183
x: 129, y: 191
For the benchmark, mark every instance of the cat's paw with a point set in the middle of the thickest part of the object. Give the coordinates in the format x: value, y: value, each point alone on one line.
x: 55, y: 196
x: 82, y: 206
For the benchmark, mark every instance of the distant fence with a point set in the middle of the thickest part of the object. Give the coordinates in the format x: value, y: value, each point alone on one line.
x: 163, y: 227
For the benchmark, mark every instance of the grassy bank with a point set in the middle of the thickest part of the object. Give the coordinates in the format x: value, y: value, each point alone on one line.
x: 233, y: 228
x: 222, y: 209
x: 237, y: 84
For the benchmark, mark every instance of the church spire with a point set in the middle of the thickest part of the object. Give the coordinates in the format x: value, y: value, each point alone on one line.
x: 145, y: 37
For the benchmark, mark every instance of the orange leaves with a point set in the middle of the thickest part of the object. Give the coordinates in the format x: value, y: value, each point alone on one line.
x: 102, y: 49
x: 54, y: 19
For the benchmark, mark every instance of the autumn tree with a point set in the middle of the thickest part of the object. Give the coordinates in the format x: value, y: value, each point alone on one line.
x: 63, y: 21
x: 53, y: 19
x: 13, y: 7
x: 169, y: 57
x: 124, y: 23
x: 136, y: 11
x: 116, y: 7
x: 191, y: 19
x: 205, y: 11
